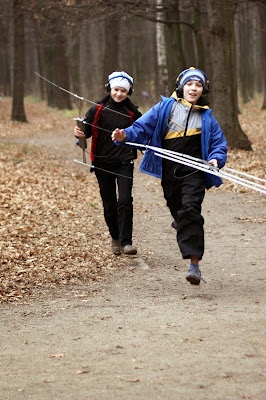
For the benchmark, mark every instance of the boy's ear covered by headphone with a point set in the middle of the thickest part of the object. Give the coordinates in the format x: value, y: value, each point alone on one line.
x: 120, y: 79
x: 192, y: 74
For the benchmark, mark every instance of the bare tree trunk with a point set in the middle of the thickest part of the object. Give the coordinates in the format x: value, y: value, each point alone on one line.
x: 91, y: 56
x: 5, y: 78
x: 56, y: 66
x: 239, y: 55
x: 5, y: 59
x: 61, y: 99
x: 175, y: 54
x: 188, y: 34
x: 18, y: 111
x: 198, y: 34
x: 111, y: 59
x: 161, y: 53
x: 262, y: 12
x: 246, y: 43
x: 224, y: 84
x: 40, y: 63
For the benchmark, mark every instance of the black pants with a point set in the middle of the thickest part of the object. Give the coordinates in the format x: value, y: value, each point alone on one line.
x: 184, y: 198
x: 116, y: 194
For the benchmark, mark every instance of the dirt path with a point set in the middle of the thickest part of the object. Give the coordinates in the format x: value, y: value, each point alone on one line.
x: 148, y: 334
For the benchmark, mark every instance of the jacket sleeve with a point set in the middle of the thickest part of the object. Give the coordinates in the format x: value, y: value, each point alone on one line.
x: 89, y: 118
x: 218, y: 144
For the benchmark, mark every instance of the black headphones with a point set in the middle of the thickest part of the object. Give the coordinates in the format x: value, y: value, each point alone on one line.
x: 206, y: 85
x: 108, y: 87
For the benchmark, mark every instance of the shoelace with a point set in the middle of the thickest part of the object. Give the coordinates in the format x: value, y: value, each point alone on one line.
x: 203, y: 280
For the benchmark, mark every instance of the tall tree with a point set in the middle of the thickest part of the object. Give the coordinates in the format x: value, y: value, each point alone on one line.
x: 5, y: 56
x: 175, y: 52
x: 18, y: 111
x: 246, y: 49
x: 198, y: 34
x: 263, y: 41
x: 161, y: 52
x: 224, y: 84
x: 61, y: 99
x: 111, y: 59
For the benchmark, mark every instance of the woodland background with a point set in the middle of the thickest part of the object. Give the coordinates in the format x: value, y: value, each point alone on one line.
x: 44, y: 235
x: 78, y: 43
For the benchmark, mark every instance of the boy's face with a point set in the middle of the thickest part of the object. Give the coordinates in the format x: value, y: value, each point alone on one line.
x: 118, y: 94
x: 192, y: 91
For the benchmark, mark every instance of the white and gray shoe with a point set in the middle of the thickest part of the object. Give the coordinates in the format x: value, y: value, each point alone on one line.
x: 193, y: 276
x: 128, y: 249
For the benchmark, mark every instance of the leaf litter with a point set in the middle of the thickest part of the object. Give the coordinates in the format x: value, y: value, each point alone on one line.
x: 52, y: 231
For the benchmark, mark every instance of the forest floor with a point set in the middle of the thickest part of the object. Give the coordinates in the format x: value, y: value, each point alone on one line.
x: 79, y: 323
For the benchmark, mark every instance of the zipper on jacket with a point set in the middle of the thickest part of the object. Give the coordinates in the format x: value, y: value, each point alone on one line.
x: 185, y: 132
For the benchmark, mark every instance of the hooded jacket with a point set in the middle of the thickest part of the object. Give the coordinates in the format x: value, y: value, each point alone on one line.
x: 151, y: 129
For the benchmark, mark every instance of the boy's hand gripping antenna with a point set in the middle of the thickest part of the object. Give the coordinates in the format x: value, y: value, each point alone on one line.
x: 83, y: 140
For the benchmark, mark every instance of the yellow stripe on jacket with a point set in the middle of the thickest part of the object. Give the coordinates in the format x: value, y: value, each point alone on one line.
x: 176, y: 134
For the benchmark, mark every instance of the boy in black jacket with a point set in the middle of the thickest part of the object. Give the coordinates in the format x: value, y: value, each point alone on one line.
x: 114, y: 165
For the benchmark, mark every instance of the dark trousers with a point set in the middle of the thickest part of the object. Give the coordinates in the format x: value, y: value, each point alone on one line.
x: 116, y: 193
x: 184, y: 198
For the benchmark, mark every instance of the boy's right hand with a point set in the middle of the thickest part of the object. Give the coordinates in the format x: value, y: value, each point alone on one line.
x: 119, y: 135
x: 78, y: 133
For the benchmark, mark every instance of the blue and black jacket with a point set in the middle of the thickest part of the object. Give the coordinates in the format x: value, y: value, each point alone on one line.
x: 151, y: 129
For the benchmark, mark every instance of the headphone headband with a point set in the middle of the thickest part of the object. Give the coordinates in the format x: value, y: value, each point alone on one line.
x: 108, y: 87
x: 122, y: 76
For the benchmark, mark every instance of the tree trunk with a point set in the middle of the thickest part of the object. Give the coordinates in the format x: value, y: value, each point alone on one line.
x: 175, y: 54
x: 5, y: 59
x: 56, y: 66
x: 198, y: 35
x: 38, y: 85
x: 40, y: 66
x: 224, y: 84
x: 262, y: 12
x: 18, y: 111
x: 161, y: 53
x: 240, y: 55
x: 61, y: 99
x: 111, y: 52
x: 48, y: 50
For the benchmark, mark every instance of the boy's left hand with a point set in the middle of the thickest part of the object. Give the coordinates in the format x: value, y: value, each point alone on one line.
x: 213, y: 162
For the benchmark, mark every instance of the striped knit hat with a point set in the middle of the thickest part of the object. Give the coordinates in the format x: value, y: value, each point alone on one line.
x: 192, y: 74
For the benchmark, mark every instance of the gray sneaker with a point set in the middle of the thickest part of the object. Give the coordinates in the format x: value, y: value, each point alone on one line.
x: 174, y: 224
x: 128, y: 250
x: 115, y: 247
x: 194, y: 276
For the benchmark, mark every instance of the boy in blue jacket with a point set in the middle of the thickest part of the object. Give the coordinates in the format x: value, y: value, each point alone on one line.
x: 185, y: 124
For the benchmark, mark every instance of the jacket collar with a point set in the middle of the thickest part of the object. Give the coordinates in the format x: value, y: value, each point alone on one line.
x: 186, y: 103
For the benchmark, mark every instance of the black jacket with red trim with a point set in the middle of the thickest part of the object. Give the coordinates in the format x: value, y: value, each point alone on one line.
x: 103, y: 119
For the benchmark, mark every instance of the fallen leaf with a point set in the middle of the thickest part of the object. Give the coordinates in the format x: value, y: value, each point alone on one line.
x: 163, y: 378
x: 60, y: 355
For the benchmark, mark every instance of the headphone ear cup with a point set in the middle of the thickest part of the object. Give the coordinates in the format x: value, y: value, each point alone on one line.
x: 179, y: 90
x: 206, y: 88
